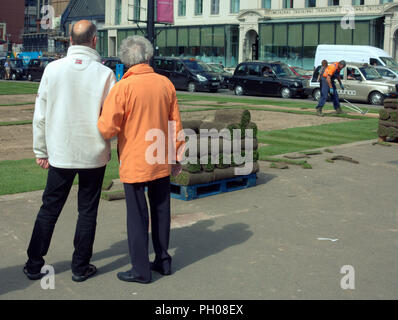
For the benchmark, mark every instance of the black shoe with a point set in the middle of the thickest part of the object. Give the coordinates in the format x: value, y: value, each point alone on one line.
x: 91, y: 270
x: 160, y: 270
x: 339, y: 111
x: 128, y: 277
x: 32, y: 276
x: 319, y: 112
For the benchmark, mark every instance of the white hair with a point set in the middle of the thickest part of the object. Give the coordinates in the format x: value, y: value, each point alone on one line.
x: 135, y: 50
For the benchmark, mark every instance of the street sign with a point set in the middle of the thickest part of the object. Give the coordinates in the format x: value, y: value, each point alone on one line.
x: 119, y: 71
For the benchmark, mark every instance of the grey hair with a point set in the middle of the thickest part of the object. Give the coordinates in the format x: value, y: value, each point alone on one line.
x: 135, y: 50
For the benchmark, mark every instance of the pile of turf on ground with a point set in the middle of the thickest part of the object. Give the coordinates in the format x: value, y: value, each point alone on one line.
x: 388, y: 120
x: 211, y: 162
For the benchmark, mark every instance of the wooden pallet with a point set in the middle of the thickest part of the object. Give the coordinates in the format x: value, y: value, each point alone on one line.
x: 197, y: 191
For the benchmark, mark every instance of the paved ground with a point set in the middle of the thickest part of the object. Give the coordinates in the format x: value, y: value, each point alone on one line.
x: 260, y: 243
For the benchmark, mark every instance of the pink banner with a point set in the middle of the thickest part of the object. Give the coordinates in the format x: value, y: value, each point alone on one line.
x: 165, y: 11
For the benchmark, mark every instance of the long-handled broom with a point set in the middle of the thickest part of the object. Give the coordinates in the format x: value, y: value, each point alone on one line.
x: 353, y: 107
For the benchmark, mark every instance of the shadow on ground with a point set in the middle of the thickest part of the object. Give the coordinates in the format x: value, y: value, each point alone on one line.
x: 192, y: 243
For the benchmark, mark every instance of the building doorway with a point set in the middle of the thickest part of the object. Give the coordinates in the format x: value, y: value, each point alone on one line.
x: 251, y: 46
x: 395, y: 45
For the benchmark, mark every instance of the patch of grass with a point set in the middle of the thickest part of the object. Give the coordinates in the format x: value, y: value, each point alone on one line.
x: 307, y: 138
x: 17, y: 104
x: 25, y: 175
x: 15, y: 123
x: 7, y: 88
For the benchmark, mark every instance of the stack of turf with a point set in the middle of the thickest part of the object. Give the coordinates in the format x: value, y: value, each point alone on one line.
x: 230, y: 119
x: 388, y: 120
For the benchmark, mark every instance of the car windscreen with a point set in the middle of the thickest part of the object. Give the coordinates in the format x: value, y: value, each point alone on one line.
x: 215, y: 68
x: 370, y: 73
x: 303, y: 72
x: 390, y: 62
x: 16, y: 63
x: 197, y: 66
x: 282, y: 70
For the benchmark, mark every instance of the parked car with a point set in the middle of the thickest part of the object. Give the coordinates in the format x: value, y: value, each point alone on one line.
x: 267, y: 78
x: 111, y: 63
x: 188, y: 74
x: 387, y: 73
x: 35, y: 68
x: 361, y: 82
x: 306, y: 74
x: 2, y: 69
x: 17, y: 69
x: 224, y: 75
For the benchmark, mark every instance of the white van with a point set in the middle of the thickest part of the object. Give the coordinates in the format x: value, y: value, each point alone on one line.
x: 359, y: 54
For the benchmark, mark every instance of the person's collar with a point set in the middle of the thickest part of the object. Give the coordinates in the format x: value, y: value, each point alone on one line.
x: 138, y: 69
x: 75, y: 49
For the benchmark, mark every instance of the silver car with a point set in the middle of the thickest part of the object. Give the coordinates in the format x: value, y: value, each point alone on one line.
x: 361, y: 82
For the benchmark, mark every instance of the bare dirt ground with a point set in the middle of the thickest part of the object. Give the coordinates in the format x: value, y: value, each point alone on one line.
x: 267, y: 120
x: 16, y: 142
x: 16, y: 113
x: 20, y: 98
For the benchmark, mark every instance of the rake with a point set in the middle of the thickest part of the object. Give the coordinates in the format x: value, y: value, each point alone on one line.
x: 353, y: 107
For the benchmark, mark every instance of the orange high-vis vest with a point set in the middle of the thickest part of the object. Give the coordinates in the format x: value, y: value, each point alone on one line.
x: 330, y: 70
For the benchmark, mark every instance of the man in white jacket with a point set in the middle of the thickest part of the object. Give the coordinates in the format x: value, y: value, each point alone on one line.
x: 67, y: 142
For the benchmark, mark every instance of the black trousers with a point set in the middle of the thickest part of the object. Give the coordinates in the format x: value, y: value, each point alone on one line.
x: 59, y: 183
x: 138, y: 224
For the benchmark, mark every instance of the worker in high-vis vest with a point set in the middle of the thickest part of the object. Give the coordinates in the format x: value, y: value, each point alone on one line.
x: 331, y: 73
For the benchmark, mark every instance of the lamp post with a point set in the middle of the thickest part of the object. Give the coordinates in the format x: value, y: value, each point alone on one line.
x: 150, y: 32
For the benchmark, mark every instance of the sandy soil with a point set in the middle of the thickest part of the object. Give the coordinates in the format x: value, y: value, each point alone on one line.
x: 16, y: 142
x: 16, y: 113
x: 20, y: 98
x: 267, y: 120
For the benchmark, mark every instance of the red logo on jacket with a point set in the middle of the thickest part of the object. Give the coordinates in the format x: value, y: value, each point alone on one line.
x: 79, y: 61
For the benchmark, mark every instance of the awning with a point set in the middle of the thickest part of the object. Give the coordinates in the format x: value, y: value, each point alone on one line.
x: 320, y: 19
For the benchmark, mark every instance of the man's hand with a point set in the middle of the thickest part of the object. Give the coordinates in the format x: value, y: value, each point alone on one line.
x: 176, y: 169
x: 43, y: 163
x: 331, y: 91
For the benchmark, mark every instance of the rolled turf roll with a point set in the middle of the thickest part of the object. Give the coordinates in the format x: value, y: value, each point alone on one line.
x: 223, y: 161
x: 394, y: 115
x: 192, y: 168
x: 392, y: 133
x: 384, y: 114
x: 252, y: 126
x: 388, y: 123
x: 192, y: 124
x: 188, y: 179
x: 209, y: 167
x: 113, y: 195
x: 391, y: 103
x: 238, y: 116
x: 382, y: 132
x: 255, y: 167
x: 220, y: 174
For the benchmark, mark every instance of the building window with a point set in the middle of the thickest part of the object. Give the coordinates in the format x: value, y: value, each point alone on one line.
x: 198, y: 7
x: 118, y: 12
x: 215, y: 6
x: 266, y: 4
x: 235, y: 6
x: 311, y: 3
x: 137, y: 10
x: 385, y: 1
x: 333, y: 3
x: 182, y: 8
x: 358, y: 2
x: 287, y: 4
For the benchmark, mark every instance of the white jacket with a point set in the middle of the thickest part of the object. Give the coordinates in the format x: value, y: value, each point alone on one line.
x: 68, y: 104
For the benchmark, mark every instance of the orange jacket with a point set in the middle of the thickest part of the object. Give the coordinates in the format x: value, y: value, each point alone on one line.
x: 141, y: 101
x: 331, y: 69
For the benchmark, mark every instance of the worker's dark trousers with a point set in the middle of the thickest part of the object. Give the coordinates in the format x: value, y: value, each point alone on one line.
x: 138, y: 223
x: 59, y: 183
x: 325, y: 92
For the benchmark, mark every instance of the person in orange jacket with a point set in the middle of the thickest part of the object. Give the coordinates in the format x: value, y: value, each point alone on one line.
x: 331, y: 73
x: 140, y: 109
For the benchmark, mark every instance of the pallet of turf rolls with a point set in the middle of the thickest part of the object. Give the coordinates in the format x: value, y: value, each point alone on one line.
x: 213, y: 170
x: 388, y: 120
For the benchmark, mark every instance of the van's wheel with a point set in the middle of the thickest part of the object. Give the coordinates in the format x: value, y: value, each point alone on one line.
x: 238, y: 90
x: 376, y: 98
x: 191, y: 87
x: 14, y: 77
x: 286, y: 93
x: 316, y: 94
x: 30, y: 77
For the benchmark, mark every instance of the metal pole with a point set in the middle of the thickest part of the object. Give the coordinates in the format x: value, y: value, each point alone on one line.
x: 150, y: 33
